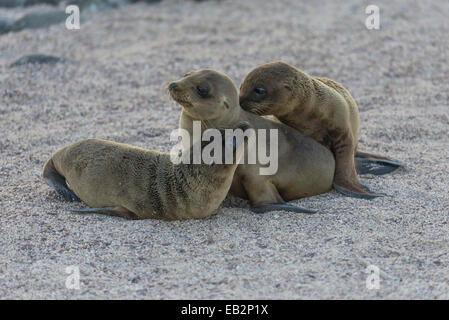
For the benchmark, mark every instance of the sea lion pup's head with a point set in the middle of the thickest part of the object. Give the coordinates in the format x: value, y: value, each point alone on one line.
x: 271, y: 89
x: 204, y: 94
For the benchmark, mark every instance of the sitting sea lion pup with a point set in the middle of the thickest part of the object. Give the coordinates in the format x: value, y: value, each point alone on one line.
x: 319, y: 108
x: 131, y: 182
x: 304, y: 167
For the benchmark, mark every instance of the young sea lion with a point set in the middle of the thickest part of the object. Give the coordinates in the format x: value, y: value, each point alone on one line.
x: 305, y: 168
x: 131, y: 182
x: 319, y: 108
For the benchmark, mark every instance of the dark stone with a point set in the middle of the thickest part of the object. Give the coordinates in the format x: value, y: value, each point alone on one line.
x: 146, y: 1
x: 98, y: 5
x: 35, y: 2
x: 25, y: 3
x: 5, y: 25
x: 40, y: 19
x: 91, y: 5
x: 37, y: 58
x: 44, y: 19
x: 11, y: 3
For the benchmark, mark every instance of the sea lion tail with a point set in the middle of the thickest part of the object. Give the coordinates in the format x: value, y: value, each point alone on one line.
x: 57, y: 181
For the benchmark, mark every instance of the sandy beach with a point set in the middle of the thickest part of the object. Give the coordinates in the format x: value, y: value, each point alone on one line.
x: 112, y: 86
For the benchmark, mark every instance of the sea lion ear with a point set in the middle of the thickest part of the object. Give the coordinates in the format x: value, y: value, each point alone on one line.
x: 288, y: 87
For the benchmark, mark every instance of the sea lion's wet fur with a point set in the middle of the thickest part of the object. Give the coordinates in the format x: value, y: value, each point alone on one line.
x: 305, y: 167
x: 138, y: 183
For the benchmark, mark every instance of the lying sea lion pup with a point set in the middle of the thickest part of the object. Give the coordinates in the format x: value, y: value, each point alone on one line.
x: 122, y: 180
x: 319, y: 108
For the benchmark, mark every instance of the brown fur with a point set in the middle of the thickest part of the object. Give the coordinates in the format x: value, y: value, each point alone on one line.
x: 319, y: 108
x: 138, y: 183
x: 305, y: 167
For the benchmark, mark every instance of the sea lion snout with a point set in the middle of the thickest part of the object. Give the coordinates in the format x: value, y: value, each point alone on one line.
x: 249, y: 105
x: 205, y: 94
x: 251, y: 96
x: 244, y: 103
x: 172, y: 86
x: 179, y: 94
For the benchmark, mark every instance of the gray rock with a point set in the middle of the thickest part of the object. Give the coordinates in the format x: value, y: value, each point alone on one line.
x: 37, y: 58
x: 35, y: 2
x: 103, y: 5
x: 11, y: 3
x: 40, y: 19
x: 98, y: 5
x: 25, y: 3
x: 5, y: 25
x: 43, y: 19
x: 92, y: 5
x: 146, y: 1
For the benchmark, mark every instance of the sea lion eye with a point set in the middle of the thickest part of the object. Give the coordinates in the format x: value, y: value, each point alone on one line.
x: 202, y: 90
x: 260, y: 91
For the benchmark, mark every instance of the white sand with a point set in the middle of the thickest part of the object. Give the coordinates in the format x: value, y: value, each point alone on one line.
x: 114, y: 90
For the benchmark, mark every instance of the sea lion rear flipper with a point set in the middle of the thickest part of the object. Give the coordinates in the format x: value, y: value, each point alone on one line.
x: 376, y: 166
x: 281, y: 207
x: 57, y: 181
x: 357, y: 194
x: 370, y: 163
x: 345, y: 178
x: 111, y: 211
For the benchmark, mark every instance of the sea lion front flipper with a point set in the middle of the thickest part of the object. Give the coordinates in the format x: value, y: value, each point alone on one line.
x: 281, y: 207
x: 356, y: 193
x: 377, y: 167
x: 111, y: 211
x: 57, y: 181
x: 265, y: 197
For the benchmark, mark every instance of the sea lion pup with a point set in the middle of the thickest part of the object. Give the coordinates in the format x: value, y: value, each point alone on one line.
x: 123, y: 180
x: 305, y: 168
x: 319, y: 108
